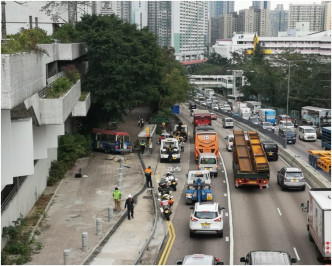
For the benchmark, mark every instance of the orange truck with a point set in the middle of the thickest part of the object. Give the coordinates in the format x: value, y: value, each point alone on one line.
x: 250, y: 165
x: 206, y: 141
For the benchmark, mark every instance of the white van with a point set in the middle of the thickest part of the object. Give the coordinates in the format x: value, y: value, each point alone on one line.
x: 227, y: 122
x: 307, y: 133
x: 208, y: 161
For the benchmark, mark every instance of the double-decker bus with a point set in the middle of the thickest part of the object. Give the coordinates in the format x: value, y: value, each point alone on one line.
x: 316, y: 117
x: 111, y: 141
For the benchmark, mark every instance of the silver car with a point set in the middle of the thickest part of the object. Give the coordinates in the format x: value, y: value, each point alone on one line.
x: 206, y: 218
x: 267, y: 126
x: 291, y: 177
x: 199, y: 259
x: 208, y: 161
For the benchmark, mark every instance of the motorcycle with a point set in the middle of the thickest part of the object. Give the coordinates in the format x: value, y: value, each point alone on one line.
x: 166, y: 201
x: 163, y: 186
x: 172, y: 180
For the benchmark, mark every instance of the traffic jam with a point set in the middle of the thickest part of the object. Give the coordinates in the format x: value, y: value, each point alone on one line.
x: 228, y: 192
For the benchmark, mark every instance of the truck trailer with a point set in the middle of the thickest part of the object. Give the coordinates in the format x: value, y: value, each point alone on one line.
x: 267, y: 115
x: 250, y: 165
x: 326, y: 138
x: 319, y: 221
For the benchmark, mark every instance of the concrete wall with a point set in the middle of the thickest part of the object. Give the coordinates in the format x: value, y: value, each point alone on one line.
x: 40, y: 142
x: 29, y: 192
x: 82, y: 107
x: 6, y: 149
x: 56, y: 111
x: 22, y: 75
x: 70, y: 51
x: 53, y: 132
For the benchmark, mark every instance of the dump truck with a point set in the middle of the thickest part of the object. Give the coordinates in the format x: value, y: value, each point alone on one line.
x: 320, y: 159
x: 326, y: 138
x: 250, y: 165
x: 319, y: 221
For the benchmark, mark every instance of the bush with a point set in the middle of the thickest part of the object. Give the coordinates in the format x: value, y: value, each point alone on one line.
x: 25, y: 41
x: 83, y: 96
x: 59, y: 88
x: 71, y: 73
x: 67, y: 33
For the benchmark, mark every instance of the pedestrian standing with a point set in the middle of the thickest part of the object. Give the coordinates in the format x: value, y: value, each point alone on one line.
x: 148, y: 176
x: 139, y: 122
x: 150, y: 145
x: 117, y: 199
x: 142, y: 145
x: 130, y: 206
x: 142, y: 122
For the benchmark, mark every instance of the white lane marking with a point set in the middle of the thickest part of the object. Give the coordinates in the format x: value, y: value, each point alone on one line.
x: 279, y: 211
x: 297, y: 255
x: 225, y: 194
x: 227, y: 239
x: 224, y: 181
x: 231, y: 234
x: 226, y: 214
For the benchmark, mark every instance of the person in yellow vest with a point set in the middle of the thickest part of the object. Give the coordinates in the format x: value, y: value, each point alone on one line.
x: 148, y: 175
x: 117, y: 199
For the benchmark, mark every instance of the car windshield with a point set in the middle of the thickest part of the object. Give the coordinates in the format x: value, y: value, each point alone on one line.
x: 229, y: 120
x: 288, y: 124
x: 289, y: 133
x: 206, y: 215
x: 267, y: 124
x: 309, y: 130
x: 208, y: 161
x: 270, y: 146
x: 254, y: 119
x: 294, y: 174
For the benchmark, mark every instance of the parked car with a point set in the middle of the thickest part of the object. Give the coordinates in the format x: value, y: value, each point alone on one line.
x: 268, y: 257
x: 268, y: 126
x: 254, y: 120
x: 200, y: 259
x: 213, y: 116
x: 307, y: 133
x: 291, y: 177
x: 229, y: 142
x: 206, y: 218
x: 271, y: 150
x: 284, y: 123
x: 283, y: 117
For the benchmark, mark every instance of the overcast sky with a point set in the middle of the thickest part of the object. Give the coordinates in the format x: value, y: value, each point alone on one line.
x: 244, y: 4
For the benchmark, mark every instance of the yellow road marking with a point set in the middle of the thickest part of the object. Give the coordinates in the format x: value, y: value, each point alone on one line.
x: 169, y: 244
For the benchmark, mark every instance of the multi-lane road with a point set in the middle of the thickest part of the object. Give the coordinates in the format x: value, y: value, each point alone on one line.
x: 254, y: 219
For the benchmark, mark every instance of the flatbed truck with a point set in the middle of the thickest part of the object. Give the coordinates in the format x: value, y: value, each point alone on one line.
x: 250, y: 165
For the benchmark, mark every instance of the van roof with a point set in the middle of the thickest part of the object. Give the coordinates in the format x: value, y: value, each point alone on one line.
x: 269, y: 258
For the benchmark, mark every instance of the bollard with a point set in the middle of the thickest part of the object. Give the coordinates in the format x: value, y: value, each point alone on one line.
x: 85, y: 241
x: 98, y: 227
x: 110, y: 213
x: 66, y: 257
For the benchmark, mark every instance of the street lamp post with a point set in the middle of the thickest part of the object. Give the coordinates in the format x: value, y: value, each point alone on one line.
x: 287, y: 102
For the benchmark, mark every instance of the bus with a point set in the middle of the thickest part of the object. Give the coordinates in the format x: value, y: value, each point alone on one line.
x: 111, y: 141
x: 206, y: 141
x: 316, y: 117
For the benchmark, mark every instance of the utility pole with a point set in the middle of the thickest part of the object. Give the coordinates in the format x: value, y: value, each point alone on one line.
x: 3, y: 20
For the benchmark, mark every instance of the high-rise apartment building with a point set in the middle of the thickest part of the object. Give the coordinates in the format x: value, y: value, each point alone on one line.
x: 218, y: 8
x: 122, y: 9
x: 312, y: 13
x: 139, y: 13
x: 254, y: 20
x: 278, y: 20
x: 182, y: 25
x: 223, y: 27
x: 327, y: 15
x: 261, y: 4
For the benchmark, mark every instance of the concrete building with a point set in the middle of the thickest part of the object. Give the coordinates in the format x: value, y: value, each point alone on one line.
x: 218, y: 8
x: 139, y: 13
x: 278, y: 20
x: 261, y: 4
x: 254, y: 20
x: 313, y: 44
x: 222, y: 27
x: 182, y: 25
x: 32, y: 123
x: 315, y: 14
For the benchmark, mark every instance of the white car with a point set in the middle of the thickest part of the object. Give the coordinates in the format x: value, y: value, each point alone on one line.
x: 206, y: 218
x: 229, y: 142
x: 284, y: 123
x: 307, y: 133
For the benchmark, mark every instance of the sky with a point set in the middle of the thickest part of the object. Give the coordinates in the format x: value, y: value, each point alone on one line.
x: 244, y: 4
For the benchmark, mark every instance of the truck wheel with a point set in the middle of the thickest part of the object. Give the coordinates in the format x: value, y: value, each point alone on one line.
x: 161, y: 160
x: 319, y: 256
x: 220, y: 234
x: 189, y: 201
x: 192, y: 234
x: 310, y: 237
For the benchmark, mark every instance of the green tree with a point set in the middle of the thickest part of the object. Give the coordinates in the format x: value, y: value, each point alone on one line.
x: 125, y: 65
x: 67, y: 33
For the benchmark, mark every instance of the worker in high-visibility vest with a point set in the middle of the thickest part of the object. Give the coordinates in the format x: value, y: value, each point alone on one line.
x: 148, y: 175
x: 117, y: 199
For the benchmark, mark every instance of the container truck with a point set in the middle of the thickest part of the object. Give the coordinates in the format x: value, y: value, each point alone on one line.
x: 326, y: 138
x: 245, y: 112
x: 250, y: 165
x: 267, y: 115
x: 319, y: 221
x: 316, y: 117
x: 237, y: 105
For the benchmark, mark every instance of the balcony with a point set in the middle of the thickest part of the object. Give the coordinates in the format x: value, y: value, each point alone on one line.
x: 82, y: 107
x: 63, y: 51
x: 56, y: 111
x: 22, y: 75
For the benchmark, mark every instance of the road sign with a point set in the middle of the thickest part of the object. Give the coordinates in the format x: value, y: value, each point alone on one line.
x: 175, y: 109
